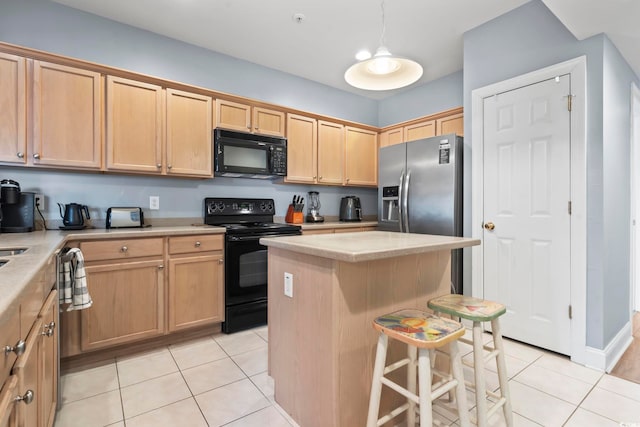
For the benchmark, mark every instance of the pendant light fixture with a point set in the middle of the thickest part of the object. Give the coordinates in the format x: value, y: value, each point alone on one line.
x: 383, y: 71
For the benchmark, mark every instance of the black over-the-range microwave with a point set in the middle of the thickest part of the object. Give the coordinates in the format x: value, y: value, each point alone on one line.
x: 246, y: 155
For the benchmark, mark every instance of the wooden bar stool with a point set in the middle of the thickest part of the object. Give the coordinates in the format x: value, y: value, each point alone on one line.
x: 478, y: 311
x: 423, y: 333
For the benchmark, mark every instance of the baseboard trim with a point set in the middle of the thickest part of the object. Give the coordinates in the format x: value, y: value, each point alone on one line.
x: 606, y: 360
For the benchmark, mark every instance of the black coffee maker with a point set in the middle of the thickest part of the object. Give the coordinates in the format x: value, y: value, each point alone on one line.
x: 16, y: 208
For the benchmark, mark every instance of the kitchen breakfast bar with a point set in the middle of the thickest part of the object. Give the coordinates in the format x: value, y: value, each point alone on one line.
x: 321, y: 341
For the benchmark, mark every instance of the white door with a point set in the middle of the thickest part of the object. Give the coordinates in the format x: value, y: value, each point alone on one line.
x: 526, y: 198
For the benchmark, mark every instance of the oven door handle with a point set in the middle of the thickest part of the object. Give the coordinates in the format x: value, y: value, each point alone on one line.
x: 254, y: 238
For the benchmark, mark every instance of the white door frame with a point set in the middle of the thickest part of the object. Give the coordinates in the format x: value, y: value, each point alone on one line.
x: 577, y: 68
x: 635, y: 199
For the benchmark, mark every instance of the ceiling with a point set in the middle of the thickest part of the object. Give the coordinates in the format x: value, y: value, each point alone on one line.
x: 322, y: 45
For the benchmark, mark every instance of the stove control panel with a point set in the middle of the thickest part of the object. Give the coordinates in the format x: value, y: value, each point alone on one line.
x: 239, y: 207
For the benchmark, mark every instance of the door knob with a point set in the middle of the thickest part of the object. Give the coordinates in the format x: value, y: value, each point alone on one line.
x: 489, y: 226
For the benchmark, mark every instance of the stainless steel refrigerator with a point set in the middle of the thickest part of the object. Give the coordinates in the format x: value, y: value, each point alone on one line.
x: 420, y: 191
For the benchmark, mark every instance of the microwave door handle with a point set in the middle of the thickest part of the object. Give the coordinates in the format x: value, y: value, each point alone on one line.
x: 400, y: 204
x: 406, y: 202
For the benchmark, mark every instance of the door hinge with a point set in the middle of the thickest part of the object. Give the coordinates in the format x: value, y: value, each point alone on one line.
x: 569, y: 207
x: 570, y: 313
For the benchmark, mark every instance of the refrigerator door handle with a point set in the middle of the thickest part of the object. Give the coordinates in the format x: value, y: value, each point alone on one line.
x: 406, y: 202
x: 400, y: 200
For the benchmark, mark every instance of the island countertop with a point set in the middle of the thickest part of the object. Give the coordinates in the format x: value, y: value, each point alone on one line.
x: 368, y: 245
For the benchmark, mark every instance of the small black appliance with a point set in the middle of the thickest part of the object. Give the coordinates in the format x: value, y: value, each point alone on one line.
x: 17, y: 209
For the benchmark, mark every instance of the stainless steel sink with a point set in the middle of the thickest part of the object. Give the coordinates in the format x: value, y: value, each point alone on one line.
x: 12, y: 251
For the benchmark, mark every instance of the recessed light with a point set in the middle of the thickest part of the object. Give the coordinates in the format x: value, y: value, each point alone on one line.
x: 298, y: 18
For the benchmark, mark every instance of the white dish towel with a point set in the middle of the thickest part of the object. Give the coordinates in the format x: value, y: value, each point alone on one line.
x: 73, y: 282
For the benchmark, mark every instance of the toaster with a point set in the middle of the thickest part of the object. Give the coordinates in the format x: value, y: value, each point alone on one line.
x: 125, y: 218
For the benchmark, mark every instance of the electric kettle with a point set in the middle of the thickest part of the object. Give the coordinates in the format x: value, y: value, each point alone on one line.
x: 74, y: 214
x: 350, y: 209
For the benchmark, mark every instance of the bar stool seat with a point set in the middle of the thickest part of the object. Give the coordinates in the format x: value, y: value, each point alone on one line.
x: 423, y: 333
x: 479, y: 311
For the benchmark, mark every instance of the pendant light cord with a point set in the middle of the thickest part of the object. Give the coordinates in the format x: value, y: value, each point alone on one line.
x: 384, y: 27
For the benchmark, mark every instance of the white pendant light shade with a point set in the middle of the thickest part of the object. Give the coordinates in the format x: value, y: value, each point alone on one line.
x: 383, y: 72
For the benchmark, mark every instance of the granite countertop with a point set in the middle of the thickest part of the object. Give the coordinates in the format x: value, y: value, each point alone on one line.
x: 367, y: 245
x: 16, y: 274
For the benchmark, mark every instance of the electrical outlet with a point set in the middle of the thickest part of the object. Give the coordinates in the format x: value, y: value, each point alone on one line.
x: 39, y: 198
x: 154, y: 203
x: 288, y: 284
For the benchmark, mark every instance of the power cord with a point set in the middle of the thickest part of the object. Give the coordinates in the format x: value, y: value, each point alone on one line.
x: 44, y: 222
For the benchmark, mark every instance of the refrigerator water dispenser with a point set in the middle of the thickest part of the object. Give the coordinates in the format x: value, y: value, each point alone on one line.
x: 390, y: 204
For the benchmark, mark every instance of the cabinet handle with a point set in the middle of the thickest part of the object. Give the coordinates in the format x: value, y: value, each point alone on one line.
x: 198, y: 244
x: 20, y: 155
x: 36, y: 156
x: 161, y: 266
x: 158, y: 165
x: 27, y: 398
x: 124, y: 249
x: 314, y: 177
x: 221, y: 261
x: 320, y: 177
x: 18, y: 349
x: 249, y: 127
x: 347, y: 179
x: 169, y: 166
x: 48, y: 329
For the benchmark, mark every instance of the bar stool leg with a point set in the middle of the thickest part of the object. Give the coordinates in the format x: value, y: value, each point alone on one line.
x: 502, y: 371
x: 478, y: 369
x: 376, y: 383
x: 424, y: 384
x: 411, y: 383
x: 461, y: 393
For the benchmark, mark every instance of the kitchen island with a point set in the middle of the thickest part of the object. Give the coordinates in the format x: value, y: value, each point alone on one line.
x: 321, y: 342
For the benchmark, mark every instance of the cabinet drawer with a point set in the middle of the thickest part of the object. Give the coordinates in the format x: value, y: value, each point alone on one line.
x: 189, y: 244
x: 121, y: 249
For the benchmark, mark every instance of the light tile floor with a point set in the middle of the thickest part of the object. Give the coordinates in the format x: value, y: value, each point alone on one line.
x: 222, y: 381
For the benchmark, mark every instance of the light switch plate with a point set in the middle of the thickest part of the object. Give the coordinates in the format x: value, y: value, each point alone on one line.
x: 288, y: 285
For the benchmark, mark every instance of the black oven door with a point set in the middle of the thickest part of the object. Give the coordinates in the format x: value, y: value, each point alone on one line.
x: 245, y: 270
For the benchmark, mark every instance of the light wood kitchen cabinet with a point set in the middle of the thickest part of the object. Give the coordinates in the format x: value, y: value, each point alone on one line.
x: 13, y: 120
x: 67, y: 117
x: 134, y: 126
x: 451, y: 124
x: 137, y: 140
x: 196, y: 281
x: 189, y: 130
x: 391, y: 137
x: 302, y: 149
x: 330, y: 153
x: 26, y: 370
x: 420, y: 130
x: 247, y: 118
x: 8, y: 405
x: 125, y: 279
x: 48, y: 354
x: 361, y: 157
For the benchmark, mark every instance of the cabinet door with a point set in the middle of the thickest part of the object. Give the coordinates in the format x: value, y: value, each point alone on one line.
x: 26, y: 369
x: 48, y: 351
x: 232, y: 115
x: 196, y: 291
x: 8, y: 405
x: 67, y: 112
x: 451, y: 124
x: 330, y: 153
x: 189, y: 129
x: 361, y: 159
x: 134, y: 126
x: 13, y: 120
x: 268, y: 122
x: 420, y: 130
x: 391, y: 137
x: 302, y: 148
x: 128, y: 303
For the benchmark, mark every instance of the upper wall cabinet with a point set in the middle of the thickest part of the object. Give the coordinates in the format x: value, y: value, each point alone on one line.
x: 67, y: 111
x: 13, y: 119
x: 302, y: 149
x: 330, y: 153
x: 247, y: 118
x: 448, y: 123
x: 361, y: 157
x: 134, y: 126
x: 136, y: 139
x: 189, y: 129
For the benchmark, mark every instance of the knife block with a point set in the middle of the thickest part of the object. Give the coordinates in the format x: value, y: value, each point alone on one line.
x: 293, y: 217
